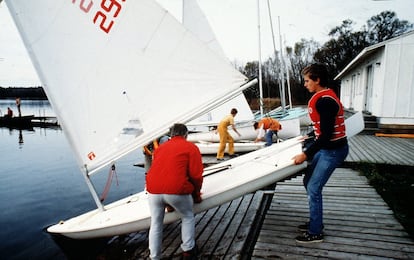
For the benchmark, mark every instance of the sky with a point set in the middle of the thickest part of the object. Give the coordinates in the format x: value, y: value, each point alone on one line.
x: 235, y: 23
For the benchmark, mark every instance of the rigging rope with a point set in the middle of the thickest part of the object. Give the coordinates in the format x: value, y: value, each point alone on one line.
x: 111, y: 174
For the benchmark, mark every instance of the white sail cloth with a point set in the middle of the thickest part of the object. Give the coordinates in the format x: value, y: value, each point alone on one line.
x: 196, y: 22
x: 119, y: 73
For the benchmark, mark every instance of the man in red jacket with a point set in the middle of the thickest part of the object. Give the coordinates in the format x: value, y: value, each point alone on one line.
x: 175, y: 178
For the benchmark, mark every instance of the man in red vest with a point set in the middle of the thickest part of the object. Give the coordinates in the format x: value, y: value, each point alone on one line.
x: 327, y: 152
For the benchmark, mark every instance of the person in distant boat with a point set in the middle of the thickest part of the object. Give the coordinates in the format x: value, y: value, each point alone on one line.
x: 267, y: 128
x: 225, y: 136
x: 326, y: 153
x: 175, y: 178
x: 18, y: 106
x: 9, y: 113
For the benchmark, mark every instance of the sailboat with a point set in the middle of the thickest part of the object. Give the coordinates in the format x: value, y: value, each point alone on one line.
x: 194, y: 19
x: 207, y: 140
x: 284, y: 113
x: 202, y: 131
x: 118, y: 74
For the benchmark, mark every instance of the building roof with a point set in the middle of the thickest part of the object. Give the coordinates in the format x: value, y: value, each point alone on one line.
x: 366, y: 52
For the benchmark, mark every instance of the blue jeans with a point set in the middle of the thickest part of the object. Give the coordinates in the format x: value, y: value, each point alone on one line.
x: 183, y: 205
x: 269, y: 137
x: 317, y: 175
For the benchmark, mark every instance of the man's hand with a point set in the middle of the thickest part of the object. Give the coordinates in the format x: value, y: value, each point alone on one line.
x: 197, y: 197
x: 299, y: 158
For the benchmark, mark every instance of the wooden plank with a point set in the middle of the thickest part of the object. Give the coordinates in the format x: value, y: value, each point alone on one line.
x: 240, y: 227
x: 216, y: 229
x: 248, y: 230
x: 220, y: 232
x: 385, y: 150
x: 204, y: 229
x: 393, y: 154
x: 332, y: 247
x: 359, y: 226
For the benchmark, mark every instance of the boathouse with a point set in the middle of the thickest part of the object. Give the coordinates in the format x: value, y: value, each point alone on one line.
x: 380, y: 82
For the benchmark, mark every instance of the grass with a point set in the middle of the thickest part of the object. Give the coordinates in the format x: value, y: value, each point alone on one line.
x: 395, y: 184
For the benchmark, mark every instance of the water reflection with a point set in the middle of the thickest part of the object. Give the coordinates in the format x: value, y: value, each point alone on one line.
x: 21, y: 137
x: 41, y: 184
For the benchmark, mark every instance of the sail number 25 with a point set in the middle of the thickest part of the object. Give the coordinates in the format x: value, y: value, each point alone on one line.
x: 105, y: 16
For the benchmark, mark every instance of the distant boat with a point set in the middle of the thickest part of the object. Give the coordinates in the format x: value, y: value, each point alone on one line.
x: 19, y: 122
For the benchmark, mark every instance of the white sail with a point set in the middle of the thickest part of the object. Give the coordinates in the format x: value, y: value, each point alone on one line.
x: 195, y: 21
x: 119, y: 73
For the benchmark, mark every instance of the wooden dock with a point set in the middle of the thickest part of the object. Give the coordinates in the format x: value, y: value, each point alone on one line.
x: 358, y: 223
x: 381, y: 150
x: 222, y: 232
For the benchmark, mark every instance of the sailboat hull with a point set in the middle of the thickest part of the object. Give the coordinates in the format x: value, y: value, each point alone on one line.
x: 290, y: 129
x: 222, y: 183
x: 239, y: 147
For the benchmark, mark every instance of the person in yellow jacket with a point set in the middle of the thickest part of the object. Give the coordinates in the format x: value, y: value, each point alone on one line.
x: 225, y: 136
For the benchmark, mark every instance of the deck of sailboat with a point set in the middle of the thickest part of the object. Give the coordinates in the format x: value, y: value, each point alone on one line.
x: 358, y: 221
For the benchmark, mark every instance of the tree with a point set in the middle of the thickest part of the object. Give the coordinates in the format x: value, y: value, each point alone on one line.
x: 385, y: 26
x: 297, y: 58
x: 300, y: 56
x: 344, y: 45
x: 341, y: 48
x: 250, y: 70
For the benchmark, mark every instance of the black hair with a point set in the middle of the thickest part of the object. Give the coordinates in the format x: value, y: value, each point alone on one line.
x: 178, y: 130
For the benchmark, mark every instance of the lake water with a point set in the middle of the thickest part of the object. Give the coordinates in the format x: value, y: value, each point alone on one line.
x: 41, y: 184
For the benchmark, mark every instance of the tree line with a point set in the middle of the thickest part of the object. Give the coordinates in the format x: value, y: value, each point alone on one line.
x: 32, y: 93
x: 343, y: 46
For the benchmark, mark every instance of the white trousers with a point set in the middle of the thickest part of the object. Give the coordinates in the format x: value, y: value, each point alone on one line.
x: 183, y: 205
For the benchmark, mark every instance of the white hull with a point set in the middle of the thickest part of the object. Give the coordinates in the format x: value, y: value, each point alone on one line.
x: 207, y: 126
x: 296, y: 112
x: 290, y: 129
x: 239, y: 147
x: 239, y: 176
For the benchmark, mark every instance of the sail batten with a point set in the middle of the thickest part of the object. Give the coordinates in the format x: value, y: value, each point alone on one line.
x: 119, y: 76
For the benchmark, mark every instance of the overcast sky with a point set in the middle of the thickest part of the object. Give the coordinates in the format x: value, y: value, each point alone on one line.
x: 235, y: 24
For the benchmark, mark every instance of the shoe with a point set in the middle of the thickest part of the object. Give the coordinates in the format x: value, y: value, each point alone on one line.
x: 233, y: 155
x: 191, y: 254
x: 308, y: 238
x: 305, y: 227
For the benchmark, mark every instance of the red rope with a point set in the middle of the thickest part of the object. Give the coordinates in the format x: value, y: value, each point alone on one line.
x: 111, y: 174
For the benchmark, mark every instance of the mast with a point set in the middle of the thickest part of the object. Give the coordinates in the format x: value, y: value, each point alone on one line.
x: 282, y: 63
x: 288, y: 82
x: 282, y: 74
x: 274, y: 44
x: 260, y: 61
